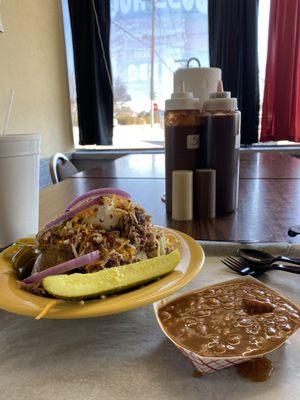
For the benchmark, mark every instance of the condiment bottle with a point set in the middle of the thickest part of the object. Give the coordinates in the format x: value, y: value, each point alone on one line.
x: 221, y: 139
x: 182, y: 136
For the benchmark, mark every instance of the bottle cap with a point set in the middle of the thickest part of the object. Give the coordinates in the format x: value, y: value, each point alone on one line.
x: 220, y: 104
x: 182, y: 100
x: 220, y: 94
x: 220, y: 100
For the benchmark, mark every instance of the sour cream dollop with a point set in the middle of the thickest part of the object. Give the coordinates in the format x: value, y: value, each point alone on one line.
x: 107, y: 215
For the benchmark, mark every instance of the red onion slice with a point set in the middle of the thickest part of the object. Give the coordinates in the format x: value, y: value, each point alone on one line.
x: 70, y: 214
x: 97, y: 192
x: 64, y: 267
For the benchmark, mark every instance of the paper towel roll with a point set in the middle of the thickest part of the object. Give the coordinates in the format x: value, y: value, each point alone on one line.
x: 200, y: 81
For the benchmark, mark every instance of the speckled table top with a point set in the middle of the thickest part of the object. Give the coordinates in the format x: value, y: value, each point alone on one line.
x: 126, y: 356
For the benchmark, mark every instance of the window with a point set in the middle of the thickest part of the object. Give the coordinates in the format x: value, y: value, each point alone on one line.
x: 150, y: 39
x: 263, y: 27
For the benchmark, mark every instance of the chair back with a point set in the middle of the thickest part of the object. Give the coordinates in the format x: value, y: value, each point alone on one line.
x: 61, y: 168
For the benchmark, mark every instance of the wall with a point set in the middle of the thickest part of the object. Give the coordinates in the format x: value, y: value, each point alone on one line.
x: 33, y: 62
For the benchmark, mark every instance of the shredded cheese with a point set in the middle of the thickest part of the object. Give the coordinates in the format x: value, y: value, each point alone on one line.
x: 46, y: 309
x: 74, y: 250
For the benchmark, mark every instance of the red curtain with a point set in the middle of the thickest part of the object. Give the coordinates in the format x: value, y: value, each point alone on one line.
x: 281, y: 105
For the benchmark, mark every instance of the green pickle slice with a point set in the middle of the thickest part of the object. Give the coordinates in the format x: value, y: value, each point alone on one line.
x: 111, y: 280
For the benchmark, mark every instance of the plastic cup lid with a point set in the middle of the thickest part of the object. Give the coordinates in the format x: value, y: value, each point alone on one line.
x: 19, y: 145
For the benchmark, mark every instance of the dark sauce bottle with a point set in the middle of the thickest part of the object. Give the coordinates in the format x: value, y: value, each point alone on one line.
x: 182, y: 136
x: 221, y: 140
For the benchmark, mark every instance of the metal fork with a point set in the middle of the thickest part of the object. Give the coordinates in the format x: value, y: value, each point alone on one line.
x: 241, y: 267
x: 245, y: 268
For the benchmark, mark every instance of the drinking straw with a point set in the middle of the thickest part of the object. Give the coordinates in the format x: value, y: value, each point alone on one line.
x: 8, y: 112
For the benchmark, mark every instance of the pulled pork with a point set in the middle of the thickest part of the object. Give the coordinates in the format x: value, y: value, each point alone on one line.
x: 132, y: 238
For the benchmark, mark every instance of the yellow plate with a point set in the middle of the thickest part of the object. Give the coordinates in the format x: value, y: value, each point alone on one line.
x: 21, y: 302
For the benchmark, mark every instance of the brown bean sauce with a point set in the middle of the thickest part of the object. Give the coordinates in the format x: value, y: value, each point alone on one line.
x: 197, y: 374
x: 220, y: 321
x: 257, y: 369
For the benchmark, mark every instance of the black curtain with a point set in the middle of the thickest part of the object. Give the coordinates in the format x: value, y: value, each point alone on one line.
x: 233, y: 48
x: 94, y: 93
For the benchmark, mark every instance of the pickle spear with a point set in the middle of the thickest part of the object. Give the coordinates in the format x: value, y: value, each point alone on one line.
x: 110, y: 280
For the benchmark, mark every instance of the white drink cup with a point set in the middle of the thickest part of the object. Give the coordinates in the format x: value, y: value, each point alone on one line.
x: 19, y: 186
